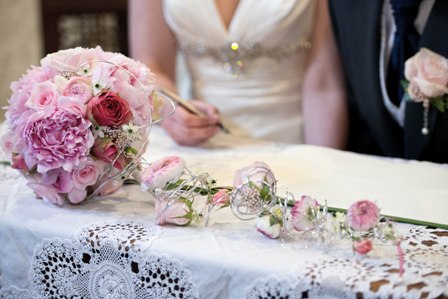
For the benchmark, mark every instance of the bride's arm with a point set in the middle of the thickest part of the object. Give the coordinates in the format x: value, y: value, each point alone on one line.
x: 152, y: 43
x: 324, y: 95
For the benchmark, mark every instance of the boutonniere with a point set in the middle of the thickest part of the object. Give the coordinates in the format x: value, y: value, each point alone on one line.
x: 426, y: 81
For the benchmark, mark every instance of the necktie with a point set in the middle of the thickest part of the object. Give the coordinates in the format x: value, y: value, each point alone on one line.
x: 405, y: 44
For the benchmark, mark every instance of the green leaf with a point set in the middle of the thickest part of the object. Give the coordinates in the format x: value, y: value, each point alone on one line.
x: 273, y: 220
x: 188, y: 203
x: 6, y: 163
x: 265, y: 193
x: 131, y: 150
x: 405, y: 84
x: 252, y: 185
x: 439, y: 103
x: 173, y: 185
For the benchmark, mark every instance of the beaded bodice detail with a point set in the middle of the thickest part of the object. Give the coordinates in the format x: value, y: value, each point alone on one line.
x: 234, y: 57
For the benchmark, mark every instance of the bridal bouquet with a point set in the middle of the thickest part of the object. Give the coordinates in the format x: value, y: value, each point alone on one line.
x: 78, y: 123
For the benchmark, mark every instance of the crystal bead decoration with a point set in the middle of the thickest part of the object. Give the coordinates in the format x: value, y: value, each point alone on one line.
x: 235, y: 57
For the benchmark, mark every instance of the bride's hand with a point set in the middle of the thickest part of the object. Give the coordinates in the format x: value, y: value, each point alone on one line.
x: 189, y: 129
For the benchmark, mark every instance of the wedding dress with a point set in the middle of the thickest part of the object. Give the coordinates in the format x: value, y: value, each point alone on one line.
x: 251, y: 71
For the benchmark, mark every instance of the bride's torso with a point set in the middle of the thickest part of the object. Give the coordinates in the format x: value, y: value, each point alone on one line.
x: 252, y: 70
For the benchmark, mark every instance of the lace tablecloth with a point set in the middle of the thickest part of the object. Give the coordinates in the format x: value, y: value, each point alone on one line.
x: 110, y: 248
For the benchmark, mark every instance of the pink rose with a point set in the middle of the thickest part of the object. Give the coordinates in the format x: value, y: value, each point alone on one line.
x: 108, y: 187
x: 363, y: 215
x: 258, y: 173
x: 108, y: 109
x: 221, y: 198
x: 177, y: 211
x: 60, y: 138
x: 303, y: 213
x: 85, y: 175
x: 77, y: 196
x: 161, y: 172
x: 79, y: 87
x: 43, y: 95
x: 427, y: 73
x: 362, y: 246
x: 108, y: 152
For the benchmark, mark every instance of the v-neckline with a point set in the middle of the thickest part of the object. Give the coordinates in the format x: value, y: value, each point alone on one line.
x: 227, y: 29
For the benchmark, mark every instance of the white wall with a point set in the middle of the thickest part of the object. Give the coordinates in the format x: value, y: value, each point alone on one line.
x: 20, y: 42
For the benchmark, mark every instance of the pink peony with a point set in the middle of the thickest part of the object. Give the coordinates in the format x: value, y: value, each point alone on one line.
x: 72, y: 59
x: 257, y: 173
x: 362, y: 246
x: 177, y: 211
x: 46, y: 192
x: 55, y: 185
x: 59, y: 179
x: 61, y: 138
x: 303, y: 213
x: 363, y: 215
x: 21, y: 91
x: 161, y: 172
x: 109, y: 109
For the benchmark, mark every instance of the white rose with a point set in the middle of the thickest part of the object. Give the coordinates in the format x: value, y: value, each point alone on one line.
x: 269, y: 226
x: 256, y: 173
x: 427, y: 73
x: 161, y: 172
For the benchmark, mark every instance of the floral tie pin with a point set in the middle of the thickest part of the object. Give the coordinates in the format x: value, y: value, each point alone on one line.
x: 426, y: 81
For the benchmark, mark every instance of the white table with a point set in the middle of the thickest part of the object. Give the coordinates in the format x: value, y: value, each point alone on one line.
x: 75, y: 250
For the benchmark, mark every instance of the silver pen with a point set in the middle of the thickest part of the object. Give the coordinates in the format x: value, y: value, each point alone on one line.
x: 189, y: 107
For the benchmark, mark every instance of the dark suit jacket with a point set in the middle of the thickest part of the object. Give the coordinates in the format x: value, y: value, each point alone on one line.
x: 357, y: 28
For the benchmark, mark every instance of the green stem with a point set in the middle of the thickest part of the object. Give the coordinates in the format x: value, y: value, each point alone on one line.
x: 6, y: 163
